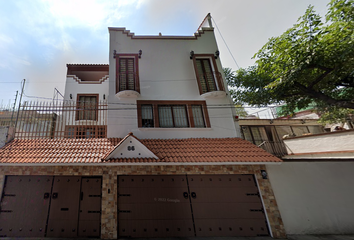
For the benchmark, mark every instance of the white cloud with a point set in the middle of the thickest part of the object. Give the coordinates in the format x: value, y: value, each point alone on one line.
x: 22, y: 61
x: 4, y: 39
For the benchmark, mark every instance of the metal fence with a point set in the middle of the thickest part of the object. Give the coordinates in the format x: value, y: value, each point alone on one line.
x: 57, y: 119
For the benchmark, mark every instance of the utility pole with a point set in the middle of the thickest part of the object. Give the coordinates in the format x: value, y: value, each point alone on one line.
x: 12, y: 115
x: 19, y: 104
x: 13, y: 109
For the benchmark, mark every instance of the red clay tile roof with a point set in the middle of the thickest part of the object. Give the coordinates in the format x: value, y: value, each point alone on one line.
x: 191, y: 150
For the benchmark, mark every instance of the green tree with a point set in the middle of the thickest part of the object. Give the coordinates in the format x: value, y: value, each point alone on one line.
x: 229, y: 76
x: 312, y: 62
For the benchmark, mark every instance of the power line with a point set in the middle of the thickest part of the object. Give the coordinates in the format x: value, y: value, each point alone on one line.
x: 225, y: 43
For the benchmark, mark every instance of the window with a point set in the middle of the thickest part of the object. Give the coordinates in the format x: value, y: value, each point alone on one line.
x: 206, y: 71
x: 127, y: 77
x: 147, y: 116
x: 87, y: 107
x: 205, y: 75
x: 85, y: 132
x: 173, y: 114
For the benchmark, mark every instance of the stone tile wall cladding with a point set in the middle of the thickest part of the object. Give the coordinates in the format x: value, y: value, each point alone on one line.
x: 109, y: 182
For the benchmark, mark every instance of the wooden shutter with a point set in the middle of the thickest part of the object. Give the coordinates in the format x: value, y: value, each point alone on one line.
x: 205, y: 75
x: 126, y: 74
x: 87, y: 108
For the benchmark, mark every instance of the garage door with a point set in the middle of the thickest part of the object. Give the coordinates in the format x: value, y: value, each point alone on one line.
x: 24, y: 206
x: 47, y: 206
x: 154, y: 206
x: 190, y: 205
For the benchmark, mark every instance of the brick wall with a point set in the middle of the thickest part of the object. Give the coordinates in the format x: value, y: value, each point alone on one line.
x: 109, y: 186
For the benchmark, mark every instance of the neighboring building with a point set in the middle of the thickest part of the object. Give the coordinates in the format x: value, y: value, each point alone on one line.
x: 153, y: 150
x: 303, y: 113
x: 311, y: 185
x: 29, y: 123
x: 270, y: 133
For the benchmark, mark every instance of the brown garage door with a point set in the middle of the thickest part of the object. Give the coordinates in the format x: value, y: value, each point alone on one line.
x: 227, y: 205
x: 43, y: 206
x: 24, y: 206
x: 154, y: 206
x: 90, y: 207
x: 193, y: 205
x: 64, y: 207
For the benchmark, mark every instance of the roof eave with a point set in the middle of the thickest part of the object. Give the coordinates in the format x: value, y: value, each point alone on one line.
x: 143, y: 164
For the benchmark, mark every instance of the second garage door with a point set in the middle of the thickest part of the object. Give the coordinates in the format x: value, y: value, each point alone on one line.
x: 190, y: 205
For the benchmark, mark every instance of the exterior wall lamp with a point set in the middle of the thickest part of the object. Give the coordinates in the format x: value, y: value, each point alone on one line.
x: 191, y: 54
x: 264, y: 174
x: 71, y: 96
x: 217, y: 54
x: 140, y: 52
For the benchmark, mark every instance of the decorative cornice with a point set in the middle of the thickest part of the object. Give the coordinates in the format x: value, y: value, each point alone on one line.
x: 88, y: 82
x: 133, y: 36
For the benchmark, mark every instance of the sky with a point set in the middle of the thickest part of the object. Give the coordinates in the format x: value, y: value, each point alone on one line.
x: 39, y: 37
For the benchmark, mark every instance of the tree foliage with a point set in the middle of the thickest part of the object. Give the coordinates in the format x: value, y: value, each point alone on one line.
x: 312, y: 62
x: 240, y: 110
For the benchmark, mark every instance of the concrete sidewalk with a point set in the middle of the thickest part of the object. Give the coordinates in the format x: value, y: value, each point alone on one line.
x: 321, y: 237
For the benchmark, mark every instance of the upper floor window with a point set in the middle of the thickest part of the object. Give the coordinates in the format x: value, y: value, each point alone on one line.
x: 87, y: 107
x: 208, y: 77
x: 173, y: 114
x: 127, y: 72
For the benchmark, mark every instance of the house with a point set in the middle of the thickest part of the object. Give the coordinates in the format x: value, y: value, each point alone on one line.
x: 151, y: 149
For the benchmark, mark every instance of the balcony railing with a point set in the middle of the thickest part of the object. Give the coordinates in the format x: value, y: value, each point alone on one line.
x: 57, y: 119
x: 278, y: 148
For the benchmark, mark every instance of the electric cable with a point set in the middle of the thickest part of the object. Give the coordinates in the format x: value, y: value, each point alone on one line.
x: 225, y: 43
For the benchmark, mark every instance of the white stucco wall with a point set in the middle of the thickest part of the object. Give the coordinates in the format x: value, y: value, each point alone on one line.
x: 314, y: 197
x: 73, y: 87
x: 166, y: 73
x: 328, y: 142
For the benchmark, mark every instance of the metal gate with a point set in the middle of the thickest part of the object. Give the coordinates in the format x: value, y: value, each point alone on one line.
x: 191, y: 205
x: 46, y: 206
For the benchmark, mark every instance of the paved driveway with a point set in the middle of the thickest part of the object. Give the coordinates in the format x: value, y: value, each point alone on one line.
x: 290, y: 237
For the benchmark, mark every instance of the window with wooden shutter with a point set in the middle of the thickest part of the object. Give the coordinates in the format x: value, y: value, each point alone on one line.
x: 206, y: 75
x: 87, y: 107
x: 127, y: 72
x: 209, y: 79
